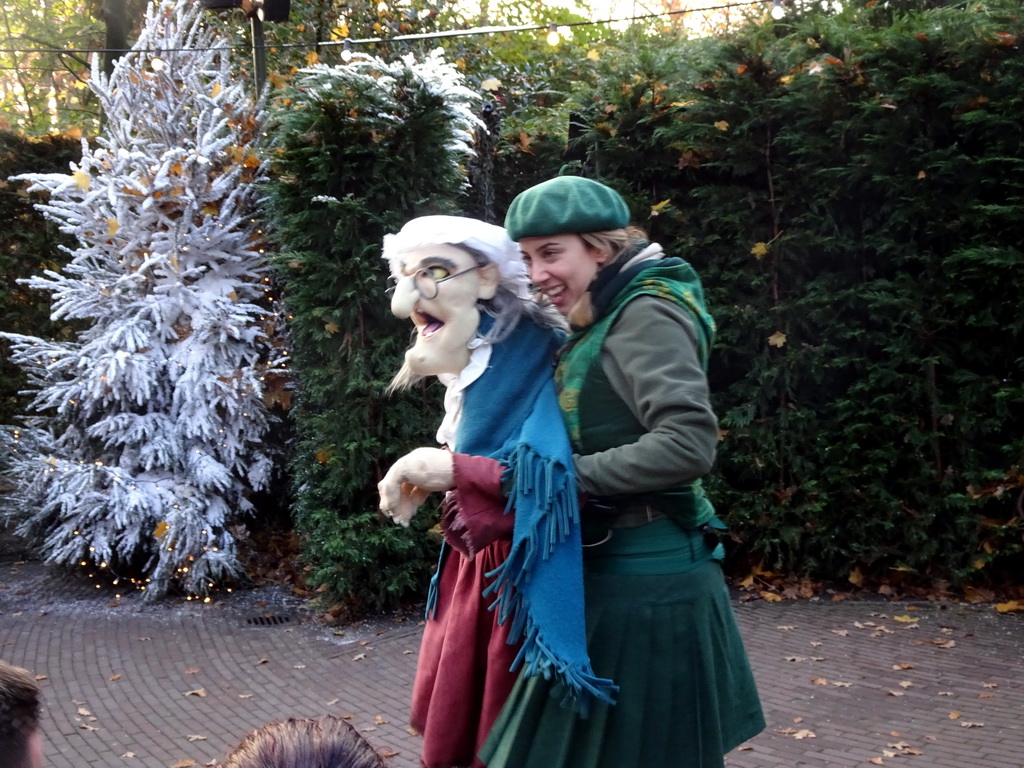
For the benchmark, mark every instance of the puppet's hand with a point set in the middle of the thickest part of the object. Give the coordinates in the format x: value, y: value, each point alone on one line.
x: 411, y: 479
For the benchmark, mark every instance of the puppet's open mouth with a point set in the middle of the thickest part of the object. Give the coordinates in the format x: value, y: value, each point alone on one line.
x: 429, y: 325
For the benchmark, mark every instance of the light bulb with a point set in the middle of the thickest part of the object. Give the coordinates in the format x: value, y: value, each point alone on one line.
x: 157, y: 64
x: 346, y: 51
x: 553, y: 36
x: 778, y: 11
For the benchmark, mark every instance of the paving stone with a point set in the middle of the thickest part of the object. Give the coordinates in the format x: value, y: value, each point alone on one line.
x: 864, y: 683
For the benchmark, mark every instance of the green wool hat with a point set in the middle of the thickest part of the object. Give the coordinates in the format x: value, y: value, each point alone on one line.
x: 565, y: 205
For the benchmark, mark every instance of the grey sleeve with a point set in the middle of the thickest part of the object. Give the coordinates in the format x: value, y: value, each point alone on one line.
x: 650, y: 358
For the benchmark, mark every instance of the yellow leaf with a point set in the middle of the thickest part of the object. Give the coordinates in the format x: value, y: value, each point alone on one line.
x: 312, y: 58
x: 211, y: 209
x: 340, y: 32
x: 593, y: 55
x: 656, y: 209
x: 856, y: 577
x: 819, y: 681
x: 461, y: 64
x: 112, y: 226
x: 82, y: 179
x: 276, y: 80
x: 876, y: 761
x: 906, y: 619
x: 979, y: 563
x: 954, y: 715
x: 74, y: 133
x: 491, y: 84
x: 771, y: 597
x: 722, y: 125
x: 331, y: 327
x: 786, y: 79
x: 759, y: 250
x: 216, y: 90
x: 777, y: 339
x: 1013, y: 605
x: 160, y: 530
x: 233, y: 296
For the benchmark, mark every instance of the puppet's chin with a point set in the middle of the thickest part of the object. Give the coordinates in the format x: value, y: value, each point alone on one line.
x: 428, y: 358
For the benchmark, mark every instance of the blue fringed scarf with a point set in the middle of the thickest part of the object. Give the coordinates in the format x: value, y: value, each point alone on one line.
x: 539, y: 587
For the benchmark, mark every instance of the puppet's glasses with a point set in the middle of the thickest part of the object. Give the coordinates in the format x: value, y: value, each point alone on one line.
x: 425, y: 283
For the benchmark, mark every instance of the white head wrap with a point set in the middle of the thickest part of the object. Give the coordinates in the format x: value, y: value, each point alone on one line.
x: 489, y: 239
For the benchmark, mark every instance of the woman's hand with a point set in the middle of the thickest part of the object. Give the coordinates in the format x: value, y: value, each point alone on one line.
x: 411, y: 479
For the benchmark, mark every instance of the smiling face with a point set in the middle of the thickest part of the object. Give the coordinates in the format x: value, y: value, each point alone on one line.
x: 561, y: 267
x: 447, y: 322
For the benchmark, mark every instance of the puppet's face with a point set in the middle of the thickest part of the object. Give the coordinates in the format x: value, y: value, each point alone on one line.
x: 439, y: 291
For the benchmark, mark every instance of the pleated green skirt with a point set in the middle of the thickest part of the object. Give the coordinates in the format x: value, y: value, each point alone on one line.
x: 660, y: 624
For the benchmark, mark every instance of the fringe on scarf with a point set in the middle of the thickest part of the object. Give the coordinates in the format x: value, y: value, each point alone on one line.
x: 554, y: 522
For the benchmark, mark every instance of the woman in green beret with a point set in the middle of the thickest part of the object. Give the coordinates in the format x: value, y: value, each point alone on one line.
x: 633, y: 392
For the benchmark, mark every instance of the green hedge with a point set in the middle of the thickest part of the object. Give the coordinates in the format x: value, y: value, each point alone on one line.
x: 28, y: 245
x: 850, y: 188
x: 359, y: 152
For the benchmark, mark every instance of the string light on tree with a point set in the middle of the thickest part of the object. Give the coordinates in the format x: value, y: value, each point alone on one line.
x: 777, y: 10
x: 553, y: 37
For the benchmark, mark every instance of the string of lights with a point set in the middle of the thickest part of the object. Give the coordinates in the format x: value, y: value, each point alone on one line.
x: 470, y: 32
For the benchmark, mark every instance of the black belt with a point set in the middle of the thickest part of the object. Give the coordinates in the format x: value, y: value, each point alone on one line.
x: 626, y: 516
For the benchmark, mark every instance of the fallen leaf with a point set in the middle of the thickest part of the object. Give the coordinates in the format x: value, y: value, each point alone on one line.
x: 200, y: 692
x: 84, y: 712
x: 804, y: 734
x: 945, y: 693
x: 897, y: 693
x: 192, y: 671
x: 359, y: 656
x: 876, y: 761
x: 379, y: 719
x: 819, y: 681
x: 184, y: 764
x: 40, y: 677
x: 1013, y: 605
x: 196, y: 737
x: 112, y: 678
x: 905, y: 684
x: 903, y: 666
x: 87, y: 727
x: 954, y: 715
x: 245, y: 695
x: 990, y: 685
x: 771, y: 597
x: 298, y: 666
x: 972, y: 725
x: 841, y: 632
x: 798, y: 719
x: 128, y: 754
x: 842, y: 685
x: 906, y: 619
x: 786, y: 627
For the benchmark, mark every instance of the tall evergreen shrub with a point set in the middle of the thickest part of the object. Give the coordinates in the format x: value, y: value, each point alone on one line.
x: 850, y: 188
x: 28, y: 245
x: 361, y: 149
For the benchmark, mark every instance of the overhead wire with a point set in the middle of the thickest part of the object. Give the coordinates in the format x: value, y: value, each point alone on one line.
x: 469, y: 32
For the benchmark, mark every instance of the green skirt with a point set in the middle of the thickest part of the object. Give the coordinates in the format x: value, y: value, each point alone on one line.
x: 660, y: 624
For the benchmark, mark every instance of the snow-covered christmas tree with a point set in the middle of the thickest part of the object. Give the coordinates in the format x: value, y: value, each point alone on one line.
x: 148, y: 433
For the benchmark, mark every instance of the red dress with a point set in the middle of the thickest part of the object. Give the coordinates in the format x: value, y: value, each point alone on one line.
x: 463, y: 677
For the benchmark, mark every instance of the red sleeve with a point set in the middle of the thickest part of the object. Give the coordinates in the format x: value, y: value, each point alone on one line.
x: 473, y: 513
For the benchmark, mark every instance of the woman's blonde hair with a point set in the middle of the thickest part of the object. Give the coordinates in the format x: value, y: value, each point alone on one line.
x: 614, y: 244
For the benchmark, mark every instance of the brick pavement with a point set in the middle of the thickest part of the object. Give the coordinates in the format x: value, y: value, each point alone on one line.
x: 842, y: 684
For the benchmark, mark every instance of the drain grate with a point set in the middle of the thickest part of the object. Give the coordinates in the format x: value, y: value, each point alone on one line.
x: 270, y: 620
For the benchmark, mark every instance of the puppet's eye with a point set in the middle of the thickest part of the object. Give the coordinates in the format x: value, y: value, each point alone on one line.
x: 435, y: 272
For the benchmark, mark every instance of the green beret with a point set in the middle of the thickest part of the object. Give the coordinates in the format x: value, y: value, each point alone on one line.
x: 566, y: 205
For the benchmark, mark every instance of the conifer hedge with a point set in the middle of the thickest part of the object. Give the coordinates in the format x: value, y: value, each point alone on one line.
x: 850, y: 187
x: 28, y: 244
x: 361, y: 149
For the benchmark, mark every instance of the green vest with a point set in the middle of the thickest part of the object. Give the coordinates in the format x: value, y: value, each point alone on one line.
x: 596, y: 417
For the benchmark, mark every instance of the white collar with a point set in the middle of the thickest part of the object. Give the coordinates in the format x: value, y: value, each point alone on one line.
x: 479, y: 358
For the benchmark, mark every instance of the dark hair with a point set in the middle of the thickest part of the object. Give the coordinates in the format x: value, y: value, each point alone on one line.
x: 19, y: 713
x: 325, y: 742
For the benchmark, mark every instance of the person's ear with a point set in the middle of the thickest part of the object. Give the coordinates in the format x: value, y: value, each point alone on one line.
x: 489, y: 280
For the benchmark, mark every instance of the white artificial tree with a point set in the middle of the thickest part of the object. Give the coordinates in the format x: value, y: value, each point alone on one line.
x: 148, y: 433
